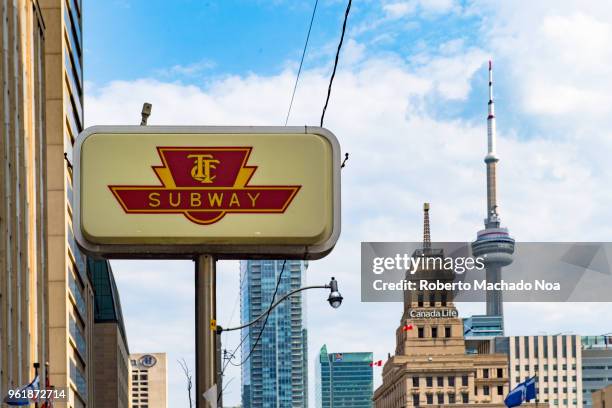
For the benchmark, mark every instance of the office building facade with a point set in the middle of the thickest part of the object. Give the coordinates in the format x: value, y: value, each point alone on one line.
x: 556, y: 361
x: 596, y: 367
x: 344, y: 380
x: 276, y: 373
x: 111, y: 352
x: 23, y: 254
x: 149, y: 380
x: 71, y: 318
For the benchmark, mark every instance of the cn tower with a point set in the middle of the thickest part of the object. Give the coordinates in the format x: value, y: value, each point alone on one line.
x: 494, y: 243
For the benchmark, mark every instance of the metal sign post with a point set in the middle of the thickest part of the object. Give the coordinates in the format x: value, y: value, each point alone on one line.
x: 205, y: 314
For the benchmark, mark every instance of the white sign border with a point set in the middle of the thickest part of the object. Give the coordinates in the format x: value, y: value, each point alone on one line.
x: 189, y: 251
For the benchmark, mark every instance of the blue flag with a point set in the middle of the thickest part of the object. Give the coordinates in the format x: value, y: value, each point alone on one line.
x: 530, y: 386
x: 525, y: 391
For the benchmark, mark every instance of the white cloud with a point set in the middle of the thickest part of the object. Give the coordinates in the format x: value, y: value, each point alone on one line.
x: 556, y: 53
x: 400, y: 9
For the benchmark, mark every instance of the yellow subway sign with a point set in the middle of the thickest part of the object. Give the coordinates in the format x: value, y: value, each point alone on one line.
x: 234, y: 192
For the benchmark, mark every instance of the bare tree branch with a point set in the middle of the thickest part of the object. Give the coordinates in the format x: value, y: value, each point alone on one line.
x: 183, y: 364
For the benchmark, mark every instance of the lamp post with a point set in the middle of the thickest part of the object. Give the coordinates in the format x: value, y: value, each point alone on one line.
x: 334, y: 299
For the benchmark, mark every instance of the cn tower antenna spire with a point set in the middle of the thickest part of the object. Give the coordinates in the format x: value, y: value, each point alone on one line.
x: 491, y: 159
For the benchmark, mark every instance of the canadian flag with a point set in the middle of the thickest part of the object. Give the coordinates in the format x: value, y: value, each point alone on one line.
x: 407, y: 327
x: 376, y: 363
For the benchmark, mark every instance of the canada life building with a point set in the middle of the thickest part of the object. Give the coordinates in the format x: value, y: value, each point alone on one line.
x: 431, y: 365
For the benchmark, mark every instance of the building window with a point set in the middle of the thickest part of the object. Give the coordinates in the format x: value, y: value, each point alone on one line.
x: 485, y: 390
x: 500, y: 372
x: 432, y: 299
x: 440, y: 381
x: 485, y: 373
x: 451, y: 398
x: 465, y: 397
x: 420, y: 300
x: 415, y: 381
x: 434, y: 332
x: 464, y: 380
x: 451, y: 381
x: 415, y: 400
x: 447, y: 332
x: 429, y: 399
x: 500, y: 390
x: 421, y: 332
x: 443, y: 300
x: 428, y: 381
x: 440, y: 398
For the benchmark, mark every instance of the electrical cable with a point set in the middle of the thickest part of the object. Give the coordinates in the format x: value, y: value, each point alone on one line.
x: 229, y: 359
x: 266, y: 319
x: 331, y: 79
x: 297, y: 78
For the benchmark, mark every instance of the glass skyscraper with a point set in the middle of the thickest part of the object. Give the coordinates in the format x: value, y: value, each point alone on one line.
x: 276, y: 374
x: 344, y: 380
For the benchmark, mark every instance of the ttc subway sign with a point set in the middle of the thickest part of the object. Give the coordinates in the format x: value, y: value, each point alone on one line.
x: 234, y: 192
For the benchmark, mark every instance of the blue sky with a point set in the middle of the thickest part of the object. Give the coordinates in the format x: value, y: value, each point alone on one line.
x: 409, y: 104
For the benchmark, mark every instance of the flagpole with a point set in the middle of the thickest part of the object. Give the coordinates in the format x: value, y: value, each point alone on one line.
x: 36, y: 367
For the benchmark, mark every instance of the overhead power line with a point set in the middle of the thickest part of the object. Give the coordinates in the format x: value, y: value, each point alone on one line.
x: 229, y: 360
x: 297, y: 78
x: 331, y: 79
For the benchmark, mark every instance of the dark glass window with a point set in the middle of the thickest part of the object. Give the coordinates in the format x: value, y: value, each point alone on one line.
x: 485, y: 390
x: 421, y: 332
x: 500, y: 390
x: 429, y: 399
x: 440, y: 398
x: 485, y: 373
x: 420, y: 300
x: 464, y: 397
x: 464, y: 380
x: 428, y: 381
x: 415, y: 400
x: 447, y: 332
x: 440, y: 381
x: 500, y: 372
x: 451, y: 398
x: 434, y: 332
x: 415, y: 382
x: 451, y: 381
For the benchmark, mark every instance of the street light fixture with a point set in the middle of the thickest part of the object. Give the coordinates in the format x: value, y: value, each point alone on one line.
x: 334, y: 299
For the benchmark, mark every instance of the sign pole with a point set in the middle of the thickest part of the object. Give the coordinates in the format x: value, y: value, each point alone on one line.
x: 205, y: 316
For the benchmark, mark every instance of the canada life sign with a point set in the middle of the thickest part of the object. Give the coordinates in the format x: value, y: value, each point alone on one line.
x: 232, y: 192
